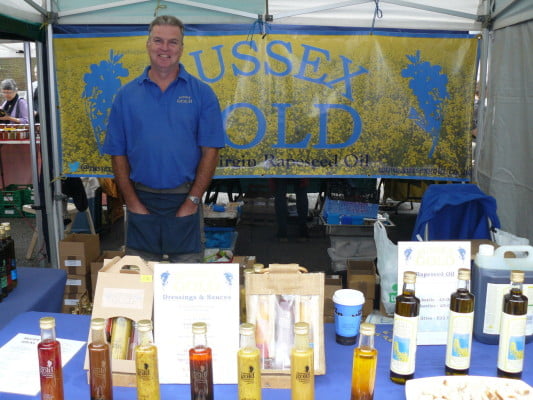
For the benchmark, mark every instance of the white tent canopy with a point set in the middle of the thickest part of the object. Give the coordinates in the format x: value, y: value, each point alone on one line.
x: 505, y: 129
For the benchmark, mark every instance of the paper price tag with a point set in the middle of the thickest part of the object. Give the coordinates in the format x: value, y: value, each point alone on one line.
x: 146, y: 278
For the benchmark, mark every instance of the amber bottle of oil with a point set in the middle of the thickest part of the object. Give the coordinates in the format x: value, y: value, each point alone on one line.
x: 100, y: 382
x: 146, y: 363
x: 201, y: 364
x: 513, y: 329
x: 460, y: 326
x: 403, y: 354
x: 365, y: 362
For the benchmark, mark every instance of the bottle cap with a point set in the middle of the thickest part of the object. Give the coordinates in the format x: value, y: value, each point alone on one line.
x: 463, y: 274
x: 258, y: 267
x: 199, y: 327
x: 247, y: 329
x: 517, y: 276
x: 248, y: 271
x: 6, y: 224
x: 144, y: 325
x: 301, y: 328
x: 367, y: 328
x: 486, y: 250
x: 409, y: 277
x: 97, y: 323
x: 47, y: 322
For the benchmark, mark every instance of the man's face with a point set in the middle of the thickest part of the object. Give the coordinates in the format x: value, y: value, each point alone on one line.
x: 165, y: 46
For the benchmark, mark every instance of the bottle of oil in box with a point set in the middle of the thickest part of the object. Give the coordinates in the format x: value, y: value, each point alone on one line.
x: 490, y: 282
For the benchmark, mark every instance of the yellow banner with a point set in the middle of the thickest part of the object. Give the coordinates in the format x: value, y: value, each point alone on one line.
x: 295, y: 104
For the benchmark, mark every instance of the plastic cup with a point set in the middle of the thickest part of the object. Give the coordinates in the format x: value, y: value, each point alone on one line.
x: 348, y: 311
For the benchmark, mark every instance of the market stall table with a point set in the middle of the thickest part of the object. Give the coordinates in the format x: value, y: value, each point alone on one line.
x: 334, y: 385
x: 39, y: 289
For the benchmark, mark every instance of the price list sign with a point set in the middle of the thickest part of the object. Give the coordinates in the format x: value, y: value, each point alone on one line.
x: 436, y: 264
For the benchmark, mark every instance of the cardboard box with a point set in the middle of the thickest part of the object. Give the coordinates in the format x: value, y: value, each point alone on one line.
x: 77, y: 251
x: 78, y: 284
x: 361, y: 275
x: 70, y: 301
x: 124, y: 289
x: 332, y: 284
x: 96, y: 265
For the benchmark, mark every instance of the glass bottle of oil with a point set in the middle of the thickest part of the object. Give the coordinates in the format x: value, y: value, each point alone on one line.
x: 365, y: 361
x: 11, y: 255
x: 100, y: 381
x: 460, y: 326
x: 407, y: 309
x: 146, y: 363
x: 302, y: 364
x: 120, y: 338
x: 201, y: 364
x: 248, y: 364
x: 513, y: 329
x: 50, y: 367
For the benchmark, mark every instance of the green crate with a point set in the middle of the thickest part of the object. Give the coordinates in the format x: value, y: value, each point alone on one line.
x: 10, y: 211
x: 11, y: 197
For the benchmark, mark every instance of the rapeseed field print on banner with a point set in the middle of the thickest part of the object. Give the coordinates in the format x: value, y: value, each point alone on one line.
x: 295, y: 102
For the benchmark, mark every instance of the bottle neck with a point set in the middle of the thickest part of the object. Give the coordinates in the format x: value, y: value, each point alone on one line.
x: 516, y: 287
x: 146, y: 338
x: 366, y: 340
x: 301, y: 342
x: 247, y: 342
x: 463, y: 285
x: 408, y: 289
x: 98, y: 336
x: 199, y: 340
x: 48, y: 334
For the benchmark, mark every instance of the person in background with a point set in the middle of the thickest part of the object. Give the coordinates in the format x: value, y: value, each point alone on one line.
x: 164, y: 134
x: 15, y: 107
x: 280, y: 187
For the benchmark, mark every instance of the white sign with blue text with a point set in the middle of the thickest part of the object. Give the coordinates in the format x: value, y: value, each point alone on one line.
x: 189, y: 293
x: 436, y: 264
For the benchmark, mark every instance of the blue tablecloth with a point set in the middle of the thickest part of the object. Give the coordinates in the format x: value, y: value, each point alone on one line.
x: 335, y: 385
x: 39, y: 289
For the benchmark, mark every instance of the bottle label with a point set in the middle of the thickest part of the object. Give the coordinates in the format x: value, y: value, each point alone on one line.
x: 403, y: 355
x: 493, y: 307
x: 459, y: 342
x: 48, y: 370
x: 512, y: 343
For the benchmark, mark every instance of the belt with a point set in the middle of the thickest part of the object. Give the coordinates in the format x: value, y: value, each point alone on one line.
x: 182, y: 189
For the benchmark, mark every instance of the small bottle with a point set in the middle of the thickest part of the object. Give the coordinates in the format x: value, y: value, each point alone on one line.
x: 201, y: 364
x: 248, y: 364
x: 120, y: 338
x: 460, y: 327
x: 513, y: 329
x: 302, y: 364
x: 403, y: 354
x: 12, y: 267
x: 50, y: 367
x: 365, y: 361
x: 100, y: 382
x: 146, y: 363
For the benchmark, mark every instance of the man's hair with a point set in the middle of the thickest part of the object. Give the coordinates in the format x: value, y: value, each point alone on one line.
x: 166, y: 20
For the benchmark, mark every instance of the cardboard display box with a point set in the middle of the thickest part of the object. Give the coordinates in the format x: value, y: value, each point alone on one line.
x: 332, y: 284
x: 77, y: 251
x: 78, y: 284
x: 124, y: 289
x: 96, y: 265
x: 361, y: 275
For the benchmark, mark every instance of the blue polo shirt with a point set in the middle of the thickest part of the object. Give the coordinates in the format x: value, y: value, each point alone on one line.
x: 162, y: 133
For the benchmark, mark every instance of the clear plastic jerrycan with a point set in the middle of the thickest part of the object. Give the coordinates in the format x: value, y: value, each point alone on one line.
x: 491, y: 272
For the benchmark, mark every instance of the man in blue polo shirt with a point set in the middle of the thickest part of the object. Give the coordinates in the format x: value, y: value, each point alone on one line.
x: 164, y: 133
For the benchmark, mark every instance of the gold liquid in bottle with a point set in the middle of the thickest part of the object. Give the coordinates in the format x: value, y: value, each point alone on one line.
x: 146, y: 363
x: 403, y: 354
x: 248, y: 364
x: 365, y: 362
x: 460, y: 327
x: 120, y: 338
x: 100, y: 382
x: 513, y: 329
x: 302, y: 365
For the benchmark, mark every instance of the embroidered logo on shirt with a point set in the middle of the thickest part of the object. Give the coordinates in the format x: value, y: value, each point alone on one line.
x: 184, y: 99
